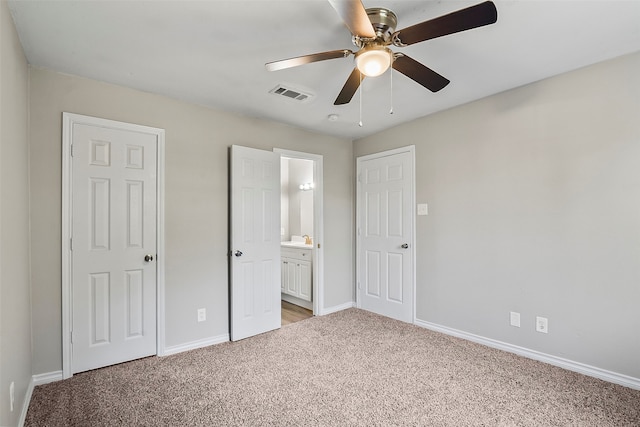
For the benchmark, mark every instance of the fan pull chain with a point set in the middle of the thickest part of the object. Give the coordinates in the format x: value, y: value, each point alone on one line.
x: 391, y: 89
x: 360, y: 122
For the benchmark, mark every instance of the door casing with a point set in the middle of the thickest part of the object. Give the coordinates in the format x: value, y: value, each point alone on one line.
x: 317, y: 255
x: 68, y: 121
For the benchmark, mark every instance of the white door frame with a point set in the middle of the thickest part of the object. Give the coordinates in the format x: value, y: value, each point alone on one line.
x: 317, y: 254
x: 412, y: 194
x: 68, y: 121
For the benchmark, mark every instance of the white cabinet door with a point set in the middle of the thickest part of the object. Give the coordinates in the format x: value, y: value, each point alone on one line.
x: 291, y: 287
x: 284, y: 276
x: 303, y: 270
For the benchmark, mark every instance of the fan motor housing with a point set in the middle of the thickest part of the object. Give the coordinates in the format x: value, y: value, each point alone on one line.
x: 384, y: 22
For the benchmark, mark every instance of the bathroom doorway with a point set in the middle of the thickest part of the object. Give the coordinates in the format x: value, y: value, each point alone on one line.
x: 301, y: 231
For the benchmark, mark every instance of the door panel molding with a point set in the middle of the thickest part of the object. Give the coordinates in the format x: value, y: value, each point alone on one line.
x: 99, y: 154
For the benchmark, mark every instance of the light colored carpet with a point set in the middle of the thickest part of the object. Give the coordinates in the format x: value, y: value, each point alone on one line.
x: 349, y: 368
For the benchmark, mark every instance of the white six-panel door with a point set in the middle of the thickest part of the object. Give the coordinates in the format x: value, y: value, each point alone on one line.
x: 385, y: 234
x: 255, y: 242
x: 113, y: 281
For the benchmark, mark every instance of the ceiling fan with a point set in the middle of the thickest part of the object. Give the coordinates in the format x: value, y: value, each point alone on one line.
x: 373, y: 31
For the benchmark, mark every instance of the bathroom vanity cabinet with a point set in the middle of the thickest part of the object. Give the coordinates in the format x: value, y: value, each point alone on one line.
x: 296, y: 272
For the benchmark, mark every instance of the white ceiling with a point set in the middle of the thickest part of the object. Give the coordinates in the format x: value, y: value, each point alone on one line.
x: 212, y: 52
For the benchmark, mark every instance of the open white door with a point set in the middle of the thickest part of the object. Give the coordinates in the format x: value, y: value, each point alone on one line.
x: 255, y: 241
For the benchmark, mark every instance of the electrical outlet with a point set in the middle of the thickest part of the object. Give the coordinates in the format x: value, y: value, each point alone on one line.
x: 11, y: 395
x: 542, y: 325
x: 514, y: 319
x: 202, y: 314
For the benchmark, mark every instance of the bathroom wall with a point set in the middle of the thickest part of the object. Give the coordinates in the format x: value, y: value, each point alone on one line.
x: 299, y: 202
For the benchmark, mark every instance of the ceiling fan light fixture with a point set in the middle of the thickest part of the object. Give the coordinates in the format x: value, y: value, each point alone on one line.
x: 374, y: 60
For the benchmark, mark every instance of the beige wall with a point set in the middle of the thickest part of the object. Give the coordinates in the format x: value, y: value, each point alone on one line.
x: 15, y: 320
x: 534, y: 207
x: 197, y: 141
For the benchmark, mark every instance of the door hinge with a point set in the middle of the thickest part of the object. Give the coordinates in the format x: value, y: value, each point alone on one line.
x: 71, y: 150
x: 71, y: 244
x: 359, y: 285
x: 71, y: 337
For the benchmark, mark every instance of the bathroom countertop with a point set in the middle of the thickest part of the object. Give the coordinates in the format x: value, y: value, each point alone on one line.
x: 294, y: 244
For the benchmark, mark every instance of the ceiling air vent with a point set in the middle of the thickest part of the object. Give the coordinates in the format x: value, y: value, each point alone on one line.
x: 291, y: 93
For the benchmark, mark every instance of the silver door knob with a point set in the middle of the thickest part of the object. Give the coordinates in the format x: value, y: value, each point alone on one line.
x: 405, y: 246
x: 148, y: 258
x: 238, y: 253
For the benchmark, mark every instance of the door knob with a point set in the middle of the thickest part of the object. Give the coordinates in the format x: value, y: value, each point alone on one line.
x: 148, y: 258
x: 405, y: 246
x: 238, y: 253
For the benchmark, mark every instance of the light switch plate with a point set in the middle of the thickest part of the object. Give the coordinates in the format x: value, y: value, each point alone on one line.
x: 514, y: 319
x: 423, y: 209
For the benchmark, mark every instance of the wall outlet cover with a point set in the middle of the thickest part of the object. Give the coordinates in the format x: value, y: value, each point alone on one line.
x: 542, y: 324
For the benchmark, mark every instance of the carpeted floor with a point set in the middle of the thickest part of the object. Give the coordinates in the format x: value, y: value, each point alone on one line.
x: 350, y: 368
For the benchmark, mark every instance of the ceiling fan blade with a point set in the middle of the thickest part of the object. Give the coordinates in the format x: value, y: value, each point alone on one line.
x: 349, y: 88
x: 461, y: 20
x: 307, y: 59
x: 419, y: 73
x: 355, y: 16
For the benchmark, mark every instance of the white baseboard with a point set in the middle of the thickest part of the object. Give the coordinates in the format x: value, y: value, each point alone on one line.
x: 297, y: 301
x: 570, y: 365
x: 46, y: 378
x: 336, y: 308
x: 35, y: 381
x: 175, y: 349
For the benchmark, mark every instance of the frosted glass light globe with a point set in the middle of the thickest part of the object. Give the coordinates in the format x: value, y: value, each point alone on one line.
x: 373, y: 60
